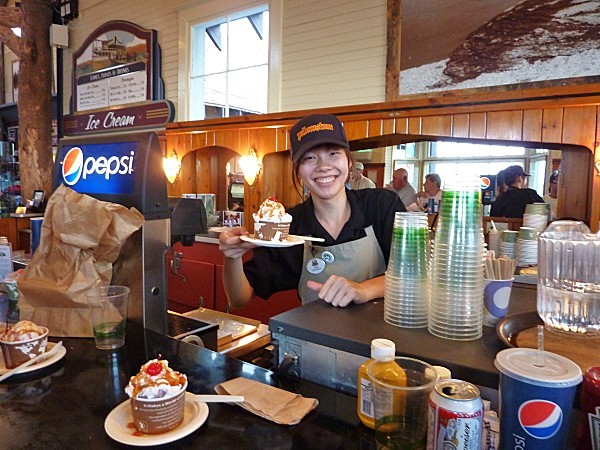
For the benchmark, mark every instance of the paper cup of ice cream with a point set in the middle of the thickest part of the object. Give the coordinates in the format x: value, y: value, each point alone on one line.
x: 22, y: 342
x: 157, y: 398
x: 271, y: 222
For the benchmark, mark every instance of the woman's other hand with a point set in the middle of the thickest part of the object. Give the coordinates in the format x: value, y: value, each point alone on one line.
x: 231, y: 245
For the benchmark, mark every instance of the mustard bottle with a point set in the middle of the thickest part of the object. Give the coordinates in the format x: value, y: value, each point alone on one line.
x: 383, y: 351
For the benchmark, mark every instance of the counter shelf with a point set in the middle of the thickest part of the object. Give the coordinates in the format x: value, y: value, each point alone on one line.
x: 326, y: 344
x: 65, y: 407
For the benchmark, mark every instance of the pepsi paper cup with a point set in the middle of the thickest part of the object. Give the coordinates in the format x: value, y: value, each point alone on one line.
x: 496, y: 296
x: 535, y: 402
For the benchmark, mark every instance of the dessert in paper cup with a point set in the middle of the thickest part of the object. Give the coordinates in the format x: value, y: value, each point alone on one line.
x: 157, y: 397
x: 271, y: 222
x: 23, y: 341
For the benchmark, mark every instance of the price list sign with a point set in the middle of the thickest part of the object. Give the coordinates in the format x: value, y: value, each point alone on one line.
x: 114, y: 66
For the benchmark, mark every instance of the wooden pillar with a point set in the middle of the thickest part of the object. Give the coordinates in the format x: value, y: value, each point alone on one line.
x: 392, y: 64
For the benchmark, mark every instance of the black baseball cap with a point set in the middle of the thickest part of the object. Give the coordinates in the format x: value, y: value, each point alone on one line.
x: 315, y: 130
x: 515, y: 171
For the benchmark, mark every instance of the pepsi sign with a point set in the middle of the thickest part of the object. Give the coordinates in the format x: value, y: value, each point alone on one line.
x: 106, y: 168
x: 540, y: 419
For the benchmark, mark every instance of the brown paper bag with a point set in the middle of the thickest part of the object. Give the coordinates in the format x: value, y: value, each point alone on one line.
x: 81, y: 238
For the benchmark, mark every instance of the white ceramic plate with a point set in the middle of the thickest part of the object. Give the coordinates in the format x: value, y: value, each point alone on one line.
x: 119, y: 424
x: 40, y: 365
x: 290, y: 241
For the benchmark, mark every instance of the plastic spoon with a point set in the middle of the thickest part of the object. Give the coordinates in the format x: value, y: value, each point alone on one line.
x: 45, y: 355
x: 307, y: 238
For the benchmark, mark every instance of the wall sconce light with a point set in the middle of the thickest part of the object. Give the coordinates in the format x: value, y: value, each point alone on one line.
x: 251, y: 168
x: 598, y: 166
x: 172, y: 166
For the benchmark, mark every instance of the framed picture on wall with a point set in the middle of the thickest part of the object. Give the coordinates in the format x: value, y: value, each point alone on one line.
x: 15, y: 80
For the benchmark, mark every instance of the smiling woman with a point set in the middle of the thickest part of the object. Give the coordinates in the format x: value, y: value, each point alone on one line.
x: 353, y: 224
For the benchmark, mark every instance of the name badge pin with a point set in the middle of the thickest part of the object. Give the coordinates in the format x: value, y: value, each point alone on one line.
x: 315, y: 265
x: 328, y: 257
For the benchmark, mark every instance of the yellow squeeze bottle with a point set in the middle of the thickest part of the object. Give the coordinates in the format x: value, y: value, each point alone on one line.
x: 383, y: 351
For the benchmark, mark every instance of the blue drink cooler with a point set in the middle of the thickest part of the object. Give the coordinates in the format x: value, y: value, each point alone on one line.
x: 36, y: 231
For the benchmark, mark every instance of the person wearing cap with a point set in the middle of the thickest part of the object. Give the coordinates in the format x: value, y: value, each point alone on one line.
x: 356, y: 226
x: 516, y: 198
x: 402, y: 187
x: 358, y: 180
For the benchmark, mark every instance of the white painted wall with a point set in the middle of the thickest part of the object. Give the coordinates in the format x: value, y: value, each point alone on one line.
x: 329, y: 52
x: 333, y: 53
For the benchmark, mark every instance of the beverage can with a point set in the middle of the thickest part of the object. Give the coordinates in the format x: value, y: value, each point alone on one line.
x: 588, y: 433
x: 536, y: 398
x: 455, y: 416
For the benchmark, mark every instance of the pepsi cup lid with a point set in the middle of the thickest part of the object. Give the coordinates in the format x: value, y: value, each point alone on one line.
x: 520, y: 364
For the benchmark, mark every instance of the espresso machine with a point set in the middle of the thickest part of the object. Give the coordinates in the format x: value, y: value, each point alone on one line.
x: 127, y: 169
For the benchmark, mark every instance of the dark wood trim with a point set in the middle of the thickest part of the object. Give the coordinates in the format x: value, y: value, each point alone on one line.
x: 392, y: 63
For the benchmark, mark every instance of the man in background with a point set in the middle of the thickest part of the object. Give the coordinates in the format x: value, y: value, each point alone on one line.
x: 516, y: 198
x: 358, y: 180
x: 402, y: 187
x: 431, y: 190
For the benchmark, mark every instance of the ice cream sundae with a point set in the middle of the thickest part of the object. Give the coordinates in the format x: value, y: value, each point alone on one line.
x: 271, y: 222
x: 23, y: 341
x: 157, y: 396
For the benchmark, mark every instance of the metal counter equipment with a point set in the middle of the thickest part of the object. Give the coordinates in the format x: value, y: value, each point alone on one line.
x: 127, y: 169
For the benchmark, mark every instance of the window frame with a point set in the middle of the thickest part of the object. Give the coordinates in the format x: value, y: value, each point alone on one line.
x: 213, y: 10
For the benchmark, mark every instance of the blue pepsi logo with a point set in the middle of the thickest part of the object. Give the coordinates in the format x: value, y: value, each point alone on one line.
x: 72, y: 166
x: 541, y: 419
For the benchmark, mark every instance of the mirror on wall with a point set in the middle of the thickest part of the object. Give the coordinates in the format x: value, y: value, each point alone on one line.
x: 569, y: 166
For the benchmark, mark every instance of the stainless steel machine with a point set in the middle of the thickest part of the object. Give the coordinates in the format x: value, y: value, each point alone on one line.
x: 127, y: 169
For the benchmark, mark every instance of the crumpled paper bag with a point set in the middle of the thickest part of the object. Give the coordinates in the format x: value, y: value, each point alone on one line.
x: 80, y: 240
x: 269, y: 402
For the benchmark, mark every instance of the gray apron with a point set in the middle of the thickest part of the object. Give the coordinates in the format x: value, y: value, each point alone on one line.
x: 357, y: 260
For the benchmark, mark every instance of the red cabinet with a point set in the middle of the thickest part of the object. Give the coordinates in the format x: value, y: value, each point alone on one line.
x: 202, y: 267
x: 193, y: 288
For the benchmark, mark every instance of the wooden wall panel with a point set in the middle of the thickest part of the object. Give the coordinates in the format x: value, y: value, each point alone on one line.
x: 388, y: 126
x: 505, y: 125
x: 595, y: 199
x: 460, y: 125
x: 579, y: 126
x: 532, y: 125
x: 375, y: 127
x: 231, y: 138
x: 552, y: 125
x: 574, y: 183
x: 477, y: 125
x: 356, y: 130
x: 437, y: 125
x: 415, y: 125
x: 282, y: 136
x: 402, y: 125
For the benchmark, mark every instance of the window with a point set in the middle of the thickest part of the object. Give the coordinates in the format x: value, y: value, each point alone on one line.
x: 451, y: 159
x: 230, y: 65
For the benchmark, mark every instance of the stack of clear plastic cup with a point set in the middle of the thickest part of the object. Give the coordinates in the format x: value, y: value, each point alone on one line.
x: 408, y: 280
x: 456, y: 306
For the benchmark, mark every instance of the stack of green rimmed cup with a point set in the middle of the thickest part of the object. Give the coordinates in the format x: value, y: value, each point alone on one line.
x: 456, y: 307
x: 527, y: 245
x: 536, y: 216
x: 407, y: 280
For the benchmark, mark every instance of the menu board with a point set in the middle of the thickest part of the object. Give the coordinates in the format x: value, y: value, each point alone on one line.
x: 114, y: 66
